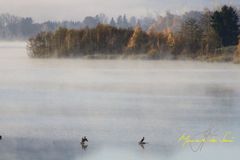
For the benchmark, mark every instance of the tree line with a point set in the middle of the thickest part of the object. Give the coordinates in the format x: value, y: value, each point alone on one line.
x: 202, y: 35
x: 20, y: 28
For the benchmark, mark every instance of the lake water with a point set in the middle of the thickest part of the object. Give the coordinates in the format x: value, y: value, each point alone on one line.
x: 47, y: 105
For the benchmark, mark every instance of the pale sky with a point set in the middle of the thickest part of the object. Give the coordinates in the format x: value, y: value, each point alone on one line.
x: 42, y: 10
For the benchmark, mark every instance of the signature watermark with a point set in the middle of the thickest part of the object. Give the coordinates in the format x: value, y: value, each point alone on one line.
x: 197, y: 142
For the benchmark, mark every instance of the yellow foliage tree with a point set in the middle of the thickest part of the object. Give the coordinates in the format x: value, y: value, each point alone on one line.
x: 132, y: 44
x: 237, y: 54
x: 170, y: 37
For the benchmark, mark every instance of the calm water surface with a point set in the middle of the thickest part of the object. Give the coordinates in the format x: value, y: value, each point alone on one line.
x: 46, y: 105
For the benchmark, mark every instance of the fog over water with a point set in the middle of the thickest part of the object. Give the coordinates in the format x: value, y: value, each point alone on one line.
x: 47, y: 105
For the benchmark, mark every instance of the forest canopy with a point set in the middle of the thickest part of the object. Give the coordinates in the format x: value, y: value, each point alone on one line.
x: 204, y: 35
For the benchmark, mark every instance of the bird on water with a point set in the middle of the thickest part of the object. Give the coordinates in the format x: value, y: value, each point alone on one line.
x: 84, y: 139
x: 142, y: 141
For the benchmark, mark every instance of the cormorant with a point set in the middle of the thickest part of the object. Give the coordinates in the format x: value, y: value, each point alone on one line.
x: 142, y: 141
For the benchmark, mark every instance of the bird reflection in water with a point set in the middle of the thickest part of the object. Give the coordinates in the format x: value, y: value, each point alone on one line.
x: 84, y: 146
x: 142, y: 146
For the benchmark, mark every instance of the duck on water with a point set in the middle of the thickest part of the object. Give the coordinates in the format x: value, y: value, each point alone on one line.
x: 84, y: 139
x: 84, y: 146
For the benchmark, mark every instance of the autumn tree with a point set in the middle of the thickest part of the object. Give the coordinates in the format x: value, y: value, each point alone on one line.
x: 41, y: 45
x: 237, y: 53
x: 137, y: 41
x: 210, y: 39
x: 191, y: 34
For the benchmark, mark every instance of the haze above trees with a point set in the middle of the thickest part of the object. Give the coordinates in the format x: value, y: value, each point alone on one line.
x: 19, y: 28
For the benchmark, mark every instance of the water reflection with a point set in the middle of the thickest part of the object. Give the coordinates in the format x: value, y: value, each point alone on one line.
x: 84, y: 146
x: 223, y: 96
x: 142, y: 145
